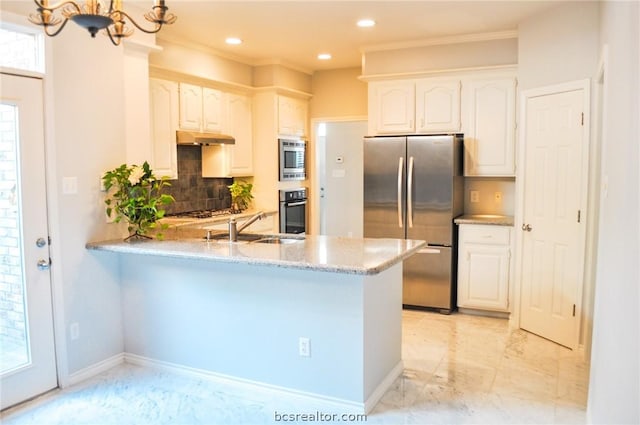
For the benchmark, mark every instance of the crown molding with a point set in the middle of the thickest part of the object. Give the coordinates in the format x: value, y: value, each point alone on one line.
x: 225, y: 55
x: 509, y: 68
x: 204, y: 49
x: 437, y: 41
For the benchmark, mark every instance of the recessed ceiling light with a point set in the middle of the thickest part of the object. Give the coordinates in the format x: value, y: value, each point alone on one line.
x: 324, y: 56
x: 366, y: 23
x: 233, y: 40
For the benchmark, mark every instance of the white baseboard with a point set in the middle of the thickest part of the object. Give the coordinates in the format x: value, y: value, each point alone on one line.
x: 94, y: 370
x: 485, y: 313
x: 377, y: 394
x: 325, y: 402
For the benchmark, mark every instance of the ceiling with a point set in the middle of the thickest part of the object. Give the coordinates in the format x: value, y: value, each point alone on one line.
x: 294, y: 32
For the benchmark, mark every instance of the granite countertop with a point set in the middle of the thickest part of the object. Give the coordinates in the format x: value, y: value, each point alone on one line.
x: 494, y: 219
x: 318, y: 253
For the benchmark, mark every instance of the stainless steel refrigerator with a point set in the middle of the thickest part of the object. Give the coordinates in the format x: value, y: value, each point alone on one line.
x: 413, y: 189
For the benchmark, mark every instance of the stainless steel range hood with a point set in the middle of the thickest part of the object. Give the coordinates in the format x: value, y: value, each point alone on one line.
x: 195, y: 138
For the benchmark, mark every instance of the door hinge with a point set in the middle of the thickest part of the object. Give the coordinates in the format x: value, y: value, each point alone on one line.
x: 579, y: 215
x: 582, y: 118
x: 574, y: 310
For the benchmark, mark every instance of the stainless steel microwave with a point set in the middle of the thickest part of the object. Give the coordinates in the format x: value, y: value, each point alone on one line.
x: 292, y: 159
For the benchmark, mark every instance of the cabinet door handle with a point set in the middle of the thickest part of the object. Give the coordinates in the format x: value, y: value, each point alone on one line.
x: 527, y: 227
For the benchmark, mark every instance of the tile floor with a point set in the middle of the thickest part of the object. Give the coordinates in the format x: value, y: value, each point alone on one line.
x: 458, y: 369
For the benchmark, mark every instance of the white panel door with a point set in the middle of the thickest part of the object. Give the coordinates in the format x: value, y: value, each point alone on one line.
x: 490, y: 134
x: 190, y: 107
x: 392, y: 108
x: 212, y: 110
x: 292, y: 116
x: 483, y: 277
x: 163, y: 99
x: 553, y: 242
x: 239, y: 126
x: 437, y: 106
x: 27, y: 356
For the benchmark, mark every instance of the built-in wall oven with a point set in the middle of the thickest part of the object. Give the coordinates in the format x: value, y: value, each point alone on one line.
x: 292, y: 159
x: 293, y: 210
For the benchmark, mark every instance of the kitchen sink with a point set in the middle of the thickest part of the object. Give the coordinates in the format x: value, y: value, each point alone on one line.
x: 256, y: 238
x: 279, y: 240
x: 243, y: 237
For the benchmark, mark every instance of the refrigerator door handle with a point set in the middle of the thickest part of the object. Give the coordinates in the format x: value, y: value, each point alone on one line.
x: 400, y: 167
x: 409, y: 193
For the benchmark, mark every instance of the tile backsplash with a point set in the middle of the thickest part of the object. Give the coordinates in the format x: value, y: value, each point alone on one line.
x: 192, y: 191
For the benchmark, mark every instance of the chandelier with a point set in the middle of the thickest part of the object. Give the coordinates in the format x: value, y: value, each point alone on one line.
x: 94, y: 16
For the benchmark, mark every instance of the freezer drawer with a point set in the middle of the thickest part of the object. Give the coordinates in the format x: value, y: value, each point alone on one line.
x: 428, y: 279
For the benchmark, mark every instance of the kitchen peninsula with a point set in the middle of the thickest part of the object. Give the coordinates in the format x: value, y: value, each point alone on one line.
x: 318, y: 317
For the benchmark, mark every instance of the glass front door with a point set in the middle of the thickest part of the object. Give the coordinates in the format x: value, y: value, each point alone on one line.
x: 27, y: 354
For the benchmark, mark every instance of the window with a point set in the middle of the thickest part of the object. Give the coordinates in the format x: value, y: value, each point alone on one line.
x: 21, y: 49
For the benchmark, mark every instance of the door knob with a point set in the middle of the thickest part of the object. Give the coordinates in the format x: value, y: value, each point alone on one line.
x: 527, y: 227
x: 44, y: 264
x: 40, y: 242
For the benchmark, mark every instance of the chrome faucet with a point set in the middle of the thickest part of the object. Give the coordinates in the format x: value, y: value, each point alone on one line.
x: 234, y: 229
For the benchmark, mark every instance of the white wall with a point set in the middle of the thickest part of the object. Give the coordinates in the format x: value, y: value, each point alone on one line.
x: 201, y: 63
x: 614, y: 393
x: 443, y: 56
x: 558, y: 45
x: 84, y: 94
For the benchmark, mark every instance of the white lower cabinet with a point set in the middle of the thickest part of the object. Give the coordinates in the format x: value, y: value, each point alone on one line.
x: 484, y: 257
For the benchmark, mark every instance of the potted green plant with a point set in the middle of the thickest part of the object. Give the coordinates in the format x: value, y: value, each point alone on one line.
x: 240, y: 195
x: 137, y: 198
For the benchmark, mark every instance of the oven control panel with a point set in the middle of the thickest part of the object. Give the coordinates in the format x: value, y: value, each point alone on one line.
x: 292, y: 195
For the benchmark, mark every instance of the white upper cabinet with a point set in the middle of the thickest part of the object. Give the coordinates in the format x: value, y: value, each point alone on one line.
x: 391, y: 107
x: 292, y: 116
x: 163, y: 105
x: 430, y: 105
x: 232, y: 160
x: 489, y: 132
x: 437, y: 106
x: 212, y: 110
x: 190, y: 107
x: 239, y: 122
x: 201, y: 108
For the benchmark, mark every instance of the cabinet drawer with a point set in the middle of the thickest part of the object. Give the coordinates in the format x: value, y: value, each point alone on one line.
x: 485, y: 234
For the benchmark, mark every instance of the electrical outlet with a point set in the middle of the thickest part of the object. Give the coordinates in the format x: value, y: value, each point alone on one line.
x: 498, y: 196
x: 74, y: 331
x: 304, y: 347
x: 475, y: 196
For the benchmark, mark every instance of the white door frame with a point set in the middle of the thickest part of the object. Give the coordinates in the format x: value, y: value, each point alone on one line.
x: 55, y: 251
x: 585, y: 86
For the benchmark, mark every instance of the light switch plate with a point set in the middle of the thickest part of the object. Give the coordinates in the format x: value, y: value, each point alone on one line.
x: 69, y: 185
